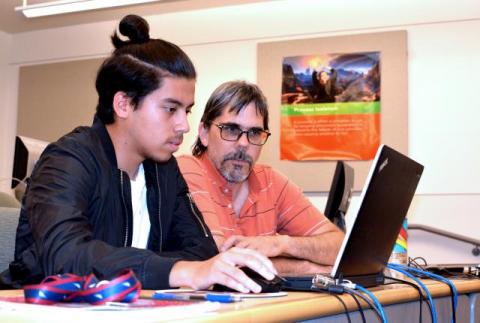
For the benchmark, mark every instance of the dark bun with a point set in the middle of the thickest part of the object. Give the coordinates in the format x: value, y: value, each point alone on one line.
x: 135, y: 28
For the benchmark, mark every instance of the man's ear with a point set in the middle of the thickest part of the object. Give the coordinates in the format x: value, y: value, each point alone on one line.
x: 121, y: 104
x: 203, y: 134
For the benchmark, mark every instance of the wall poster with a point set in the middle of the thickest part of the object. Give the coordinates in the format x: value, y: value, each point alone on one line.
x: 375, y: 67
x: 330, y: 106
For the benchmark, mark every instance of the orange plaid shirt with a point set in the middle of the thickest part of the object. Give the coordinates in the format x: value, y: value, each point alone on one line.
x: 274, y: 204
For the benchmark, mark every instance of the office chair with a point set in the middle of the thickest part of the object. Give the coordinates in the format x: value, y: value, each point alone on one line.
x: 8, y: 228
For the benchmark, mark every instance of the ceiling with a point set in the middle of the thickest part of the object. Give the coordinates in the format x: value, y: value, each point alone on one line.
x: 14, y: 22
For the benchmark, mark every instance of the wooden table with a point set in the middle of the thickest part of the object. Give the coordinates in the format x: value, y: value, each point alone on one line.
x: 298, y: 306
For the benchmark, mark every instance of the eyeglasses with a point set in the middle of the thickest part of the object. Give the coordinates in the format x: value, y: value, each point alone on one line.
x: 233, y: 132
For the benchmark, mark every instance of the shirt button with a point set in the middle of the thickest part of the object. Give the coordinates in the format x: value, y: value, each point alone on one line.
x: 226, y: 190
x: 229, y: 206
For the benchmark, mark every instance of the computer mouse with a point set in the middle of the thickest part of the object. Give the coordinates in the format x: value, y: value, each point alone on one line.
x: 268, y: 286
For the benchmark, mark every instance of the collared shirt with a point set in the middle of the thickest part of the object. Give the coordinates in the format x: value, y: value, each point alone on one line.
x: 274, y: 204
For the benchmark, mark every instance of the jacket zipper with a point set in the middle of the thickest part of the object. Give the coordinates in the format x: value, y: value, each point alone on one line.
x: 126, y: 211
x: 197, y: 216
x: 159, y: 204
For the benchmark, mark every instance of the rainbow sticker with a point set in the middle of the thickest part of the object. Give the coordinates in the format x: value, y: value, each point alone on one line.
x: 401, y: 243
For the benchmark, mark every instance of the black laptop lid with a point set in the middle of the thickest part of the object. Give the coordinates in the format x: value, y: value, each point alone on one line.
x: 384, y: 203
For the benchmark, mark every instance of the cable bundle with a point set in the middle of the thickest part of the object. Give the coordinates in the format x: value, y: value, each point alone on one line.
x: 413, y: 273
x: 341, y: 286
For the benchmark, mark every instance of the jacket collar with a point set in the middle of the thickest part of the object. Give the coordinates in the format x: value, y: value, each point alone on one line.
x: 107, y: 144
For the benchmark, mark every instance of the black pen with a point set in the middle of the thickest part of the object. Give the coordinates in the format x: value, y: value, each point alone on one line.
x: 281, y: 278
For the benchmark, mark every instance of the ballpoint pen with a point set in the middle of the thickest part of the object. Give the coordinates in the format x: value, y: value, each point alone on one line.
x: 281, y: 278
x: 212, y: 297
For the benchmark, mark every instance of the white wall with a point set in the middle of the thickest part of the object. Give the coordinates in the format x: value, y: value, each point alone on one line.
x: 444, y: 54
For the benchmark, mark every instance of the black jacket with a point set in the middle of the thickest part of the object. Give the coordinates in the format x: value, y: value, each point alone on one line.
x: 76, y: 216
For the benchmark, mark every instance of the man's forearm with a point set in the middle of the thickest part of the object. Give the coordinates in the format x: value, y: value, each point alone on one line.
x: 292, y: 266
x: 321, y: 249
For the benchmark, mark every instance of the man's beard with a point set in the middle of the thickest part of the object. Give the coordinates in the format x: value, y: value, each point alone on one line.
x: 236, y: 173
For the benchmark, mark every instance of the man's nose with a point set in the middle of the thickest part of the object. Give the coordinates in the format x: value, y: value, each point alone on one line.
x: 182, y: 124
x: 243, y: 140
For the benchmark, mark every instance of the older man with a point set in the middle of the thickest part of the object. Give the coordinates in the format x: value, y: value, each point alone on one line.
x: 250, y: 205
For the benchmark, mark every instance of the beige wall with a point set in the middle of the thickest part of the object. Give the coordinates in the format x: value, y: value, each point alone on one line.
x: 8, y: 110
x: 55, y: 98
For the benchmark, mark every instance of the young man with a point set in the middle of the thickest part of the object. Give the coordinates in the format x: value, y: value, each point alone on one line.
x: 110, y: 197
x: 248, y: 205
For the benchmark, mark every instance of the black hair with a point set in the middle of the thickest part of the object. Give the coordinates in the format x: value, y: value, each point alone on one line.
x: 137, y: 66
x: 234, y: 96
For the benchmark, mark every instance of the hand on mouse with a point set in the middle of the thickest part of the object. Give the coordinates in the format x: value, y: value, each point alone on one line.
x: 223, y: 269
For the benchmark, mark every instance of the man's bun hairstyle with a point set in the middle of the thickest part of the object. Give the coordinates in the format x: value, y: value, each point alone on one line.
x: 135, y: 28
x: 137, y: 66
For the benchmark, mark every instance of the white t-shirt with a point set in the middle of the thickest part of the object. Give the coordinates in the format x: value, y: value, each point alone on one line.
x: 141, y: 220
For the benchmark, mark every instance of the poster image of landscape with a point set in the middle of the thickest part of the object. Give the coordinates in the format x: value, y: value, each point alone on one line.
x: 330, y: 107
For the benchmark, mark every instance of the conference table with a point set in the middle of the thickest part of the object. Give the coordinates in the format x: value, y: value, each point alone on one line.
x: 400, y: 302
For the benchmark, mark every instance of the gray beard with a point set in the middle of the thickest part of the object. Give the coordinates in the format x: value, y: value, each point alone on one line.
x: 236, y: 173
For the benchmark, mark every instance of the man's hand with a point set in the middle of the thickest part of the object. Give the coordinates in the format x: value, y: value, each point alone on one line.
x: 321, y: 248
x: 269, y: 246
x: 223, y: 269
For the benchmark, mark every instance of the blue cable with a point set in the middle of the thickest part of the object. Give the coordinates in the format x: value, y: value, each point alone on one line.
x: 375, y: 300
x: 436, y: 277
x: 365, y: 299
x: 422, y: 285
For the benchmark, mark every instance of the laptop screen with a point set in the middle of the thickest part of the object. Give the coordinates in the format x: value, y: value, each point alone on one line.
x: 384, y: 202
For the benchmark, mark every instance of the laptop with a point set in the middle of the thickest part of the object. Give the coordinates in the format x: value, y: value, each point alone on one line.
x: 384, y: 202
